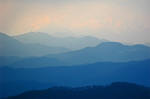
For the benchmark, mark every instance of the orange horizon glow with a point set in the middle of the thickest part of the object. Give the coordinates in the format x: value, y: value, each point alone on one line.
x: 84, y: 18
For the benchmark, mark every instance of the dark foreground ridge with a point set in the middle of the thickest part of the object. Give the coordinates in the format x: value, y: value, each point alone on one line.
x: 114, y: 91
x: 16, y: 81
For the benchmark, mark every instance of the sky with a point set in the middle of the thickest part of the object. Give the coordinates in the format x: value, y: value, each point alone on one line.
x: 118, y: 20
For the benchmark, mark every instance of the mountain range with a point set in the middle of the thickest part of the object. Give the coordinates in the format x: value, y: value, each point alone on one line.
x: 101, y: 73
x: 72, y: 43
x: 119, y: 90
x: 33, y: 54
x: 104, y: 52
x: 12, y: 47
x: 97, y: 73
x: 107, y: 51
x: 34, y: 45
x: 34, y: 61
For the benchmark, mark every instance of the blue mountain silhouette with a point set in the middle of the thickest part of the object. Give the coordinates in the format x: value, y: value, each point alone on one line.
x: 73, y: 43
x: 12, y: 47
x: 114, y: 91
x: 104, y: 52
x: 101, y: 73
